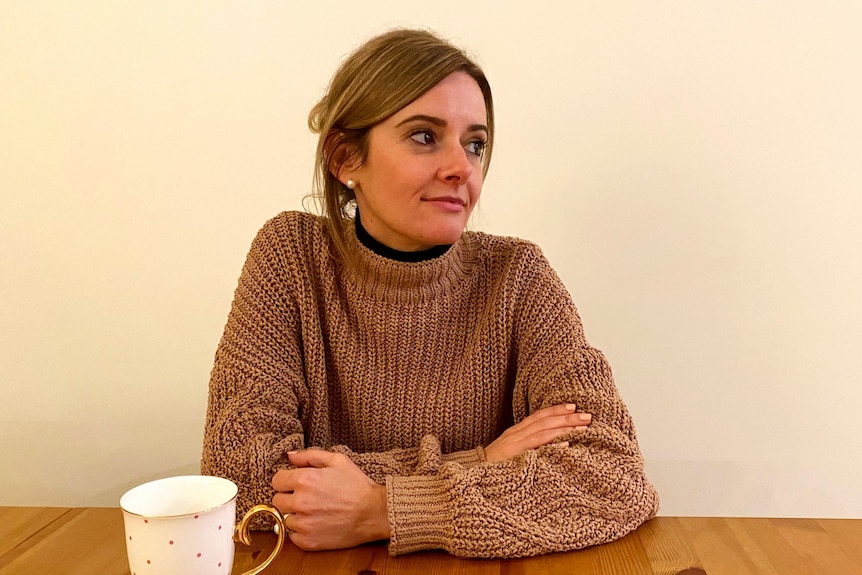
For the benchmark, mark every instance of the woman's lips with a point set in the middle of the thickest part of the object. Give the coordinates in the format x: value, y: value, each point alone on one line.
x: 450, y: 204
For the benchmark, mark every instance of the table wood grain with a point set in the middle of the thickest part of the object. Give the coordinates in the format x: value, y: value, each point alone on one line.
x: 87, y: 541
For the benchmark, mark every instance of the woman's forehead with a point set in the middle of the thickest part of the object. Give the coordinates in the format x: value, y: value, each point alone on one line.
x: 456, y: 98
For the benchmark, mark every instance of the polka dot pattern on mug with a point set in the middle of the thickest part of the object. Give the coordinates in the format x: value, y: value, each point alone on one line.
x: 175, y: 543
x: 164, y: 539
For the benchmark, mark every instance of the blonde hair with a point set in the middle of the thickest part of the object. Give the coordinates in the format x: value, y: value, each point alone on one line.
x: 378, y: 79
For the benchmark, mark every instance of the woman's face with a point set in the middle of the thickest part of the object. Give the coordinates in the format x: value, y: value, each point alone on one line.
x: 423, y: 174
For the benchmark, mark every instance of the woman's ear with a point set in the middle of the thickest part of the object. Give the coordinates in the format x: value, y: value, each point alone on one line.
x: 342, y: 157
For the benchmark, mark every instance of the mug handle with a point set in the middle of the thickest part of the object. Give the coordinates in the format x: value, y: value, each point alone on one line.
x: 241, y: 533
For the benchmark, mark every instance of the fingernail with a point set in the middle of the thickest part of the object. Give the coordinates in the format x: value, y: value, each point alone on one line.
x: 570, y: 406
x: 581, y: 428
x: 585, y: 417
x: 560, y: 444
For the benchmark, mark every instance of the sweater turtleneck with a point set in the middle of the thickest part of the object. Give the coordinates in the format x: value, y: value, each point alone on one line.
x: 432, y: 274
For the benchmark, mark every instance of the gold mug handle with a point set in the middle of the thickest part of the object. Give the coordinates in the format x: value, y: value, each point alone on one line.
x: 241, y: 533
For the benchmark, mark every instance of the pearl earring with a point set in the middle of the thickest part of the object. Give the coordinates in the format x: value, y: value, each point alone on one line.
x: 351, y: 184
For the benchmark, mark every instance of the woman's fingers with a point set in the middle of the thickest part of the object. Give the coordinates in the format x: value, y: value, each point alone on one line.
x: 553, y: 413
x: 281, y: 501
x: 541, y: 428
x: 304, y: 461
x: 332, y: 503
x: 545, y: 436
x: 549, y: 423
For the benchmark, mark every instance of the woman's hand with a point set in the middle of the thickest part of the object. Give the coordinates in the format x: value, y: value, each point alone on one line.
x: 540, y: 428
x: 331, y: 503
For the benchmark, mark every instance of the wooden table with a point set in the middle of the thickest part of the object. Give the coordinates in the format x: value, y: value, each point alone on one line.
x: 90, y: 541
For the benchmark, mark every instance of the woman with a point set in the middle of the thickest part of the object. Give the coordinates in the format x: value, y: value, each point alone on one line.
x: 442, y: 376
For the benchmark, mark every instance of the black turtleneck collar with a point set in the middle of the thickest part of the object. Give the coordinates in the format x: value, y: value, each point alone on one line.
x: 393, y: 254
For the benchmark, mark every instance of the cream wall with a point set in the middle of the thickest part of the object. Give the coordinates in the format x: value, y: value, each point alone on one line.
x: 692, y: 169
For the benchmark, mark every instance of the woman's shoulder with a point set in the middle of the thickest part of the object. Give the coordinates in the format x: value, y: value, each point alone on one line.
x: 495, y: 246
x: 518, y: 260
x: 293, y: 240
x: 293, y: 221
x: 292, y: 230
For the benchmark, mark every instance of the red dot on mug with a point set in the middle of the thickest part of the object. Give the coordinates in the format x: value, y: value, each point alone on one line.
x: 146, y: 520
x: 219, y: 527
x: 171, y: 542
x: 199, y: 554
x: 148, y: 561
x: 196, y: 516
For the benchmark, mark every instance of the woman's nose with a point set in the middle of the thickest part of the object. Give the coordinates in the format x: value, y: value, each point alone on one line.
x: 456, y: 164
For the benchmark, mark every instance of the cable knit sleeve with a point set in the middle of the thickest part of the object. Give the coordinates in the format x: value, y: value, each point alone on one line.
x: 256, y: 389
x: 549, y: 499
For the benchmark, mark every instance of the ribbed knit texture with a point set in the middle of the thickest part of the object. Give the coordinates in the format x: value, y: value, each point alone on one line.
x: 410, y: 369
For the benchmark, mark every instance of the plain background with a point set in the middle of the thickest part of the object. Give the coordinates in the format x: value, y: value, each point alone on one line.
x: 692, y: 169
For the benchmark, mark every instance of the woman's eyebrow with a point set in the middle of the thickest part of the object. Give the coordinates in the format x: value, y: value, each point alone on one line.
x: 438, y: 122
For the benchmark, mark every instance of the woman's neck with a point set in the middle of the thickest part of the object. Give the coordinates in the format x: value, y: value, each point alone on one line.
x: 390, y: 253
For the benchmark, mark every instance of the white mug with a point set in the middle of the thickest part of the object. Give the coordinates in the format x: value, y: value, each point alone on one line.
x: 185, y: 525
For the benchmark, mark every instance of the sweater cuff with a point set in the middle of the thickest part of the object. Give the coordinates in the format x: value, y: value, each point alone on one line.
x: 421, y: 513
x: 467, y: 458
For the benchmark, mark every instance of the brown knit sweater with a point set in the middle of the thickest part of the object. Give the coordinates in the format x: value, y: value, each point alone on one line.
x: 410, y: 369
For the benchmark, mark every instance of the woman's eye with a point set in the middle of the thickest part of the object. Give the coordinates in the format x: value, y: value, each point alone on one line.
x: 477, y: 147
x: 423, y: 137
